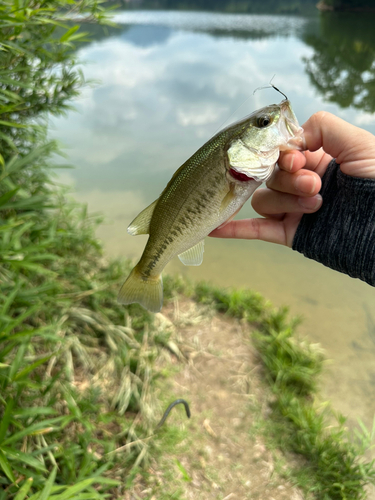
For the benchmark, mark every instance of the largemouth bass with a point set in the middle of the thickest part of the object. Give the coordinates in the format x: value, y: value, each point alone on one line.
x: 206, y: 192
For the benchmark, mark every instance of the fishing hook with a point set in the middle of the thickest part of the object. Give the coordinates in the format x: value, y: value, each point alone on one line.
x: 167, y: 411
x: 271, y: 85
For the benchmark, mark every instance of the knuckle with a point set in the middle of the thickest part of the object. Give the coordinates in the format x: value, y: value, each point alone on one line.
x: 255, y: 228
x: 319, y: 116
x: 317, y: 119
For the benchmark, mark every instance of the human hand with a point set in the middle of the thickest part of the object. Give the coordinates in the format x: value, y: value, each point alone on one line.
x: 293, y: 189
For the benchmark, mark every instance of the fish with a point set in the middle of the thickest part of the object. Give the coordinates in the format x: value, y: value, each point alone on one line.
x: 205, y: 193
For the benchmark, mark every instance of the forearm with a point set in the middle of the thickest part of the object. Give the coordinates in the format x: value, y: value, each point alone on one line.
x: 341, y: 234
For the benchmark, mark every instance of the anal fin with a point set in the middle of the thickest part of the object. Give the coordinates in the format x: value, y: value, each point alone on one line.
x: 193, y: 256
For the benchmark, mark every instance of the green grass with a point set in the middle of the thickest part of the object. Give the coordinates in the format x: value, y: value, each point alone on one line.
x: 76, y: 368
x: 74, y: 363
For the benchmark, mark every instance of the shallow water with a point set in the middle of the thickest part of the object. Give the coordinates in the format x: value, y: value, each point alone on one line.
x: 168, y: 82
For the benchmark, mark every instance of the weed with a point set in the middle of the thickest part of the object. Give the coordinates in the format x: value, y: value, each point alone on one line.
x: 244, y: 304
x: 76, y: 368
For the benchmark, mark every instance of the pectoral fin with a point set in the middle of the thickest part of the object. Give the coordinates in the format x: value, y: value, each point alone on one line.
x: 193, y: 256
x: 227, y: 198
x: 141, y: 224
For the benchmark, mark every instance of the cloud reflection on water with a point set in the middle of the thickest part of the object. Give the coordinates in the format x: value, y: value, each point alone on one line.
x: 169, y: 96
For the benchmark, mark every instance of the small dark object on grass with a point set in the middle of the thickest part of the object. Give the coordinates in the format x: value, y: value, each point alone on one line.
x: 167, y: 411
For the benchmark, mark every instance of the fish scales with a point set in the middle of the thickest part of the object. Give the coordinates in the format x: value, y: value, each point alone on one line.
x: 206, y: 192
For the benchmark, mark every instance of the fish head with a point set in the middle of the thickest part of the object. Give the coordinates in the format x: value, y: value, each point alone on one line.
x: 258, y: 139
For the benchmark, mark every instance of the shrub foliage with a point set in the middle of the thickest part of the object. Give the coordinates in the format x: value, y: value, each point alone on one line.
x: 72, y: 361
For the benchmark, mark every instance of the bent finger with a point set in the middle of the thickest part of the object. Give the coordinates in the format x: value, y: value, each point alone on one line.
x: 353, y: 147
x: 317, y: 161
x: 291, y: 161
x: 267, y: 202
x: 300, y: 183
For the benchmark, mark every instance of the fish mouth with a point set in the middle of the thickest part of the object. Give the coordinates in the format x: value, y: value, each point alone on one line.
x: 297, y: 139
x: 290, y: 129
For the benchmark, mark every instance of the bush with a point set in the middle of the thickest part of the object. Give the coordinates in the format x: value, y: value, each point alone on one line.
x: 72, y: 361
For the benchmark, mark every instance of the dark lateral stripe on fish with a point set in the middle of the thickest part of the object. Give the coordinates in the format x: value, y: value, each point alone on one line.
x: 158, y: 253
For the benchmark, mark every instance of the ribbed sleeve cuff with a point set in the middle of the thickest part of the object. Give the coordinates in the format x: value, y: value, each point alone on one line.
x: 341, y: 234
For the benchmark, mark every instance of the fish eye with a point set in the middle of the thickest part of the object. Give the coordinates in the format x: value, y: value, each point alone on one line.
x: 263, y: 121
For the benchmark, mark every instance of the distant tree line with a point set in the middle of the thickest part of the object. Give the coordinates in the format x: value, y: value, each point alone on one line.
x: 342, y: 66
x: 239, y: 6
x: 248, y: 6
x: 344, y: 5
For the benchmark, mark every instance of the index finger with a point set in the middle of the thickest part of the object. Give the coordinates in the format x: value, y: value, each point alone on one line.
x: 270, y: 230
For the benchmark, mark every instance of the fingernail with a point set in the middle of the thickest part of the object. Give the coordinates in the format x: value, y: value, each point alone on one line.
x: 305, y: 184
x: 310, y: 203
x: 290, y: 166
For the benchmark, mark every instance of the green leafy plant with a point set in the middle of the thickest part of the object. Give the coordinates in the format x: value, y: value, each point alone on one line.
x: 75, y: 367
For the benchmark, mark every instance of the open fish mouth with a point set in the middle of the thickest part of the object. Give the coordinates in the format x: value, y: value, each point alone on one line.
x: 290, y: 129
x: 293, y: 133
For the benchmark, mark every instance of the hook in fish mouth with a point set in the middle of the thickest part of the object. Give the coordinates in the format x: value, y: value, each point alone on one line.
x: 271, y: 86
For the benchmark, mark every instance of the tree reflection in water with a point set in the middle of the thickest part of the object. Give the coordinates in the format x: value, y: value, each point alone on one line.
x: 343, y: 65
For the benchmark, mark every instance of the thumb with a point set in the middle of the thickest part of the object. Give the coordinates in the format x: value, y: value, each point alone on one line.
x: 352, y: 147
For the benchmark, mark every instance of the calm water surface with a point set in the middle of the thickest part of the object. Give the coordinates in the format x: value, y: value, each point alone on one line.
x: 167, y: 82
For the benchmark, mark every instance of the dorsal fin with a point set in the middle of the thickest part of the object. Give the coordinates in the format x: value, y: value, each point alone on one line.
x: 141, y: 224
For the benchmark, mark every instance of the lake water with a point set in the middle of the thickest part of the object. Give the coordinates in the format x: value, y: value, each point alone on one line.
x: 166, y: 82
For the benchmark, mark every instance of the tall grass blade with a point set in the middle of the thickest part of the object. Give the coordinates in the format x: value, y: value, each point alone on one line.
x: 24, y: 490
x: 7, y: 415
x: 44, y: 495
x: 4, y: 464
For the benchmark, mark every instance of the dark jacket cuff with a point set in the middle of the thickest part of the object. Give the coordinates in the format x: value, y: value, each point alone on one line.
x: 341, y: 234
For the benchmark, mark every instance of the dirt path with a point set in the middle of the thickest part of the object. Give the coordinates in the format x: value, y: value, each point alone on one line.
x: 220, y: 458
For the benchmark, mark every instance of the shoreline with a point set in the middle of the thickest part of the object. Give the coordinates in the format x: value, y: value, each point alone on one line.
x: 322, y: 7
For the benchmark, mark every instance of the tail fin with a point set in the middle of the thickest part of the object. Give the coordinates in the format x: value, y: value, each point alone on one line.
x: 147, y: 292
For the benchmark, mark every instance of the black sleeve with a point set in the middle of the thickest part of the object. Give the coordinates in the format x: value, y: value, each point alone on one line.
x: 341, y: 234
